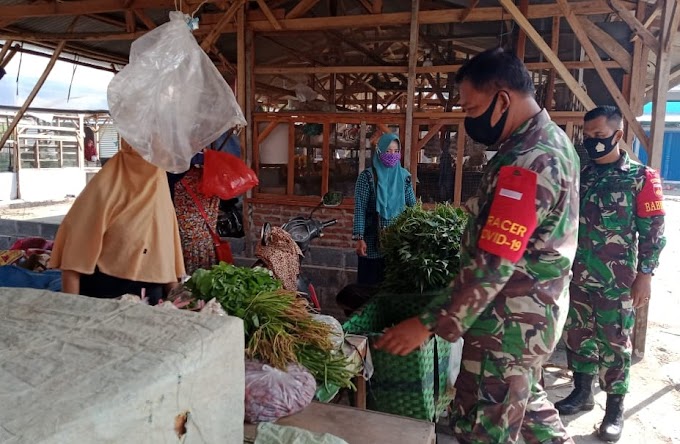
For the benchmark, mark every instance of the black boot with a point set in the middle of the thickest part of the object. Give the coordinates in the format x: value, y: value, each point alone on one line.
x: 581, y: 399
x: 612, y: 424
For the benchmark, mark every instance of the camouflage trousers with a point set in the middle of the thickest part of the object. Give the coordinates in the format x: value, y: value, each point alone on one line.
x: 598, y: 336
x: 499, y: 397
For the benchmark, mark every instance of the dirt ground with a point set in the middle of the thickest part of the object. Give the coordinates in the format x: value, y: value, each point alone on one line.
x: 652, y: 406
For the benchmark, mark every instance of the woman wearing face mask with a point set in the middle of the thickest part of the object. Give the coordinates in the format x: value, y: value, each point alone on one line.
x: 382, y: 193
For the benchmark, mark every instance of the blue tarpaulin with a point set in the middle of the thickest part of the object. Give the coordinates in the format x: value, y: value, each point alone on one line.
x: 17, y: 277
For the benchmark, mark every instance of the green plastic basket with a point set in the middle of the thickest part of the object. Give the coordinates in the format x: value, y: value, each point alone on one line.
x: 404, y: 385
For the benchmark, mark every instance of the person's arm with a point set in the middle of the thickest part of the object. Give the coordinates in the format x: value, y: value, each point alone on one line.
x: 651, y: 241
x: 486, y: 266
x: 409, y: 194
x: 70, y: 282
x: 650, y: 224
x: 362, y: 192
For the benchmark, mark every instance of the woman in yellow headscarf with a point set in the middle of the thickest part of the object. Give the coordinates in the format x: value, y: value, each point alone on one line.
x: 120, y: 235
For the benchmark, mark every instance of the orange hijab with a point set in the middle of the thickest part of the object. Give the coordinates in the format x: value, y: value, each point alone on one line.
x: 124, y: 223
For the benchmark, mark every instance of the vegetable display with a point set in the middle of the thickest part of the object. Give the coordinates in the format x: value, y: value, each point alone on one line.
x: 422, y: 248
x: 278, y: 327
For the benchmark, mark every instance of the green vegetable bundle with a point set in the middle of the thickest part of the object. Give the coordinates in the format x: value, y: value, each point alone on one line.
x: 422, y: 248
x: 278, y: 326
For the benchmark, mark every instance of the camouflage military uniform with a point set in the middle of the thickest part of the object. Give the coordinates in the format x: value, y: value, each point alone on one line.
x: 613, y: 226
x: 511, y: 312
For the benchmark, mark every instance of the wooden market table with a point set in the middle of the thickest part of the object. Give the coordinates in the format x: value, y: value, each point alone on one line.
x: 356, y: 426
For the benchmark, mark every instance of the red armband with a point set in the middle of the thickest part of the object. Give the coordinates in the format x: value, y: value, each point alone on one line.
x: 650, y: 199
x: 512, y: 218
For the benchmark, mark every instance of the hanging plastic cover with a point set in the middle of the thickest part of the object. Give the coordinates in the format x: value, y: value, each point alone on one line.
x: 170, y: 101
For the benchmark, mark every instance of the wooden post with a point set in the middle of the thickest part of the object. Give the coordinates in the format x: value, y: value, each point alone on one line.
x: 362, y: 147
x: 670, y: 13
x: 241, y: 94
x: 522, y: 36
x: 661, y: 81
x: 637, y: 75
x: 248, y: 100
x: 460, y: 152
x: 34, y: 92
x: 412, y: 62
x: 554, y: 46
x: 325, y: 157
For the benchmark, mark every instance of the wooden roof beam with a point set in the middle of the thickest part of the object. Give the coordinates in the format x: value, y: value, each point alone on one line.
x: 130, y: 21
x: 401, y: 69
x: 367, y: 6
x: 635, y: 25
x: 270, y: 16
x: 561, y: 69
x: 605, y: 76
x: 443, y: 16
x: 468, y: 11
x: 607, y: 43
x: 19, y: 34
x: 301, y: 8
x: 144, y: 18
x: 107, y: 20
x: 225, y: 20
x: 76, y: 7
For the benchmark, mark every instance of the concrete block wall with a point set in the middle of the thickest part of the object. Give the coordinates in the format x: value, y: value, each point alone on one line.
x: 12, y: 230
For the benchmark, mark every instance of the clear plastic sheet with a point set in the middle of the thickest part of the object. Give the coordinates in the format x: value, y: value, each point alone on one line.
x: 170, y: 101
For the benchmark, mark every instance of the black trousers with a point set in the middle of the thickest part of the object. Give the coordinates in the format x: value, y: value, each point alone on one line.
x: 370, y: 271
x: 100, y: 285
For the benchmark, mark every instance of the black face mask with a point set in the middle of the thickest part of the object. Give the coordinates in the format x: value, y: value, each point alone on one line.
x: 598, y: 148
x: 479, y: 128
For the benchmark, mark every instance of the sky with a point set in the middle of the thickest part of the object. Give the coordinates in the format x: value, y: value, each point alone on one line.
x: 87, y: 93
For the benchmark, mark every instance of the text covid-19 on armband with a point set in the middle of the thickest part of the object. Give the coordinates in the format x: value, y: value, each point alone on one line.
x: 512, y: 218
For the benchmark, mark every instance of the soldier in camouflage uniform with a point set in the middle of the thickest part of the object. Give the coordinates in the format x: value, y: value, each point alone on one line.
x: 510, y: 300
x: 620, y: 239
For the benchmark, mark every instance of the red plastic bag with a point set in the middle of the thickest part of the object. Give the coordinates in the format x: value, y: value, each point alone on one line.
x: 226, y: 176
x: 33, y: 243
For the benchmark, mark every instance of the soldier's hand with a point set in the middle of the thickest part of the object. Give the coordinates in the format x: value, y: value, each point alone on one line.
x: 641, y: 289
x: 403, y: 338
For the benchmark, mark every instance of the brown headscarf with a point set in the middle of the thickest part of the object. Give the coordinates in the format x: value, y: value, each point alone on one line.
x: 124, y: 223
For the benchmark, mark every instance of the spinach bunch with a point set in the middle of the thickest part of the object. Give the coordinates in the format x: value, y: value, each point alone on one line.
x: 422, y: 248
x: 233, y: 287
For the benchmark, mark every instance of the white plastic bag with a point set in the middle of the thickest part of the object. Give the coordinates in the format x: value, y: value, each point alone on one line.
x: 170, y: 101
x: 337, y: 335
x: 272, y: 394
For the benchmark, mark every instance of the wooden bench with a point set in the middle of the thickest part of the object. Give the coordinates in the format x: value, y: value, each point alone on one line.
x: 356, y: 426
